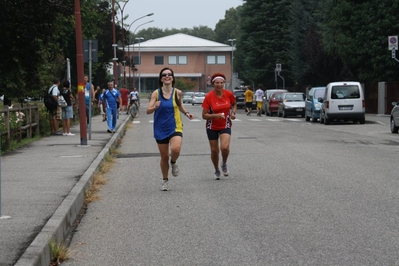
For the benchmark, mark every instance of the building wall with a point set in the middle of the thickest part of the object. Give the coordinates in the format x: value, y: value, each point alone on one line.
x: 196, y: 63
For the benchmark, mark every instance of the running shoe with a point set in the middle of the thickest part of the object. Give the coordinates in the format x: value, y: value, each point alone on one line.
x: 217, y: 175
x: 70, y: 134
x: 225, y: 170
x: 109, y: 131
x: 175, y: 169
x: 165, y: 186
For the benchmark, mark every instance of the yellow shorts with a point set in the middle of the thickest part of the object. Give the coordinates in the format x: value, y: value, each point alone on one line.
x: 259, y: 105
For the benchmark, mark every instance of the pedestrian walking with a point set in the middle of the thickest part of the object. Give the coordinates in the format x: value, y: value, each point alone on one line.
x: 67, y: 112
x: 102, y: 105
x: 53, y: 113
x: 249, y: 94
x: 218, y: 109
x: 166, y: 104
x: 259, y: 101
x: 111, y: 96
x: 89, y: 89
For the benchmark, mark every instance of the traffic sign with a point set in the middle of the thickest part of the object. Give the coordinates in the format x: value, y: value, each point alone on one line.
x: 278, y: 67
x: 392, y: 42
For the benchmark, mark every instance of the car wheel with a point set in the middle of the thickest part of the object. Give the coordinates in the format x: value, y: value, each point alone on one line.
x: 284, y: 114
x: 307, y: 118
x: 314, y: 119
x: 326, y: 121
x: 362, y: 120
x: 321, y: 119
x: 394, y: 129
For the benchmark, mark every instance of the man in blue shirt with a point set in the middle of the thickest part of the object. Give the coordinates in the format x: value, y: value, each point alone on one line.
x: 111, y: 96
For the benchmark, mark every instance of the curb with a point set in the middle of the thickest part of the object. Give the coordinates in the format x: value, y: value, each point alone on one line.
x: 57, y: 227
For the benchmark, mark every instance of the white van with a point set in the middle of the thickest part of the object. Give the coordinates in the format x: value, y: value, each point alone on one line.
x: 343, y: 101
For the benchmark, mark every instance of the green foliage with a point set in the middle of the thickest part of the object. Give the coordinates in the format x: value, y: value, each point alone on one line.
x: 185, y: 84
x: 228, y: 28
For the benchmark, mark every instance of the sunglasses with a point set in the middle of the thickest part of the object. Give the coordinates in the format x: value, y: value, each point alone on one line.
x: 167, y: 74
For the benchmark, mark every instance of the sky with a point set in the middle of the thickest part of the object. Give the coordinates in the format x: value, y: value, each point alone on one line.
x: 176, y: 13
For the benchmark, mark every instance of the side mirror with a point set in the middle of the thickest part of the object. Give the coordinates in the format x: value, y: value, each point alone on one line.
x: 320, y: 99
x: 394, y: 103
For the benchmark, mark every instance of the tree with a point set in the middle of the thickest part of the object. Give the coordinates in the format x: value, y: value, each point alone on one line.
x: 228, y: 28
x: 263, y: 41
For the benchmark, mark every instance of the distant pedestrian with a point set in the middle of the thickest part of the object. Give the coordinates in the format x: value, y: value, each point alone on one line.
x: 218, y: 109
x: 67, y: 112
x: 249, y: 94
x: 102, y: 105
x: 111, y: 96
x: 166, y: 104
x: 89, y: 94
x: 53, y: 113
x: 124, y: 96
x: 259, y: 101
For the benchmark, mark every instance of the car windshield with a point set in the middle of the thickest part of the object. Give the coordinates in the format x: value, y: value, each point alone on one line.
x: 294, y: 97
x: 188, y: 94
x: 239, y: 93
x: 277, y: 96
x: 345, y: 92
x: 199, y: 94
x: 319, y: 94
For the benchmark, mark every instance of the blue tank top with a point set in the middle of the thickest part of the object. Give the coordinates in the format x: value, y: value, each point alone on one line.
x: 167, y: 118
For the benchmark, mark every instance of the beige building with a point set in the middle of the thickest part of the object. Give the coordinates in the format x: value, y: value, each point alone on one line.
x: 188, y: 56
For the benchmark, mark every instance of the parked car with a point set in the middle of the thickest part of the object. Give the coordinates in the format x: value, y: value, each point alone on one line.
x: 291, y: 104
x: 313, y: 103
x: 268, y: 93
x: 240, y: 99
x: 188, y: 97
x: 198, y: 97
x: 394, y: 121
x: 343, y: 100
x: 270, y: 106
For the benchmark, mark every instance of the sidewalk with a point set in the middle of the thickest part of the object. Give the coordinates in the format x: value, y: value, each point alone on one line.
x: 42, y: 190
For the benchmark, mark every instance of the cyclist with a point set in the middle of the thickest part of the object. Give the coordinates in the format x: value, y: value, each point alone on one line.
x: 134, y: 99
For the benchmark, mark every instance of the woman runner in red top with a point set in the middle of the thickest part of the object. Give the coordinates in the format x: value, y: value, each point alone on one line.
x: 218, y: 109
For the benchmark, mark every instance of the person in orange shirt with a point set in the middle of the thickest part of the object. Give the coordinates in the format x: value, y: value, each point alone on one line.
x: 249, y: 94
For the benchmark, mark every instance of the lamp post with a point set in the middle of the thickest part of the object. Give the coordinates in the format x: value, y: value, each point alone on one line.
x: 123, y: 34
x: 139, y: 39
x: 134, y: 33
x: 232, y: 60
x: 128, y: 51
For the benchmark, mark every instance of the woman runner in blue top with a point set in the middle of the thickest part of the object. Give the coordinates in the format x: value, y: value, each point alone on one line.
x: 166, y: 105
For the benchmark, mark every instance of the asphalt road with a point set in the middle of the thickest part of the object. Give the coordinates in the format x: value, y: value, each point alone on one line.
x: 299, y: 193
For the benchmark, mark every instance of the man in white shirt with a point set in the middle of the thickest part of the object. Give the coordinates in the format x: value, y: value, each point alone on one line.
x: 259, y: 101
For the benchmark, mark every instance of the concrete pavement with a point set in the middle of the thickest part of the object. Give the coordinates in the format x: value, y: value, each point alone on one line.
x: 42, y: 190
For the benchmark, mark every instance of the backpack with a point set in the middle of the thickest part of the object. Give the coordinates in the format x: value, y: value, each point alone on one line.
x: 49, y: 101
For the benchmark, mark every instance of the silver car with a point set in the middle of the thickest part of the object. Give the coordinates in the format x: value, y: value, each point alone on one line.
x: 188, y: 97
x: 291, y: 104
x: 394, y: 120
x: 198, y: 97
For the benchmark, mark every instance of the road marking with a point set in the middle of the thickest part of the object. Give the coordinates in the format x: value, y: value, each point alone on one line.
x: 136, y: 122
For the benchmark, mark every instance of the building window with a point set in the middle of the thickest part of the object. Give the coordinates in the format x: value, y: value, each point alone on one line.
x: 216, y: 59
x: 136, y: 60
x: 158, y: 60
x: 177, y: 60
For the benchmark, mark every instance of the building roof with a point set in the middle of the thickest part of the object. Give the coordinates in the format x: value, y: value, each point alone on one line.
x: 179, y: 42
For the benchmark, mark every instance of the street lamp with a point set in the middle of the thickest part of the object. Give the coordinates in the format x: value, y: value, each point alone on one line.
x: 123, y: 38
x: 139, y: 39
x: 232, y: 60
x: 114, y: 35
x: 134, y: 32
x: 148, y: 15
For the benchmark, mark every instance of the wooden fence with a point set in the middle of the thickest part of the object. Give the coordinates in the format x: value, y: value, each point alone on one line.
x: 30, y: 117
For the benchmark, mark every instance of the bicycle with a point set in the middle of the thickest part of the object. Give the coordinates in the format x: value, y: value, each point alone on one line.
x: 134, y: 110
